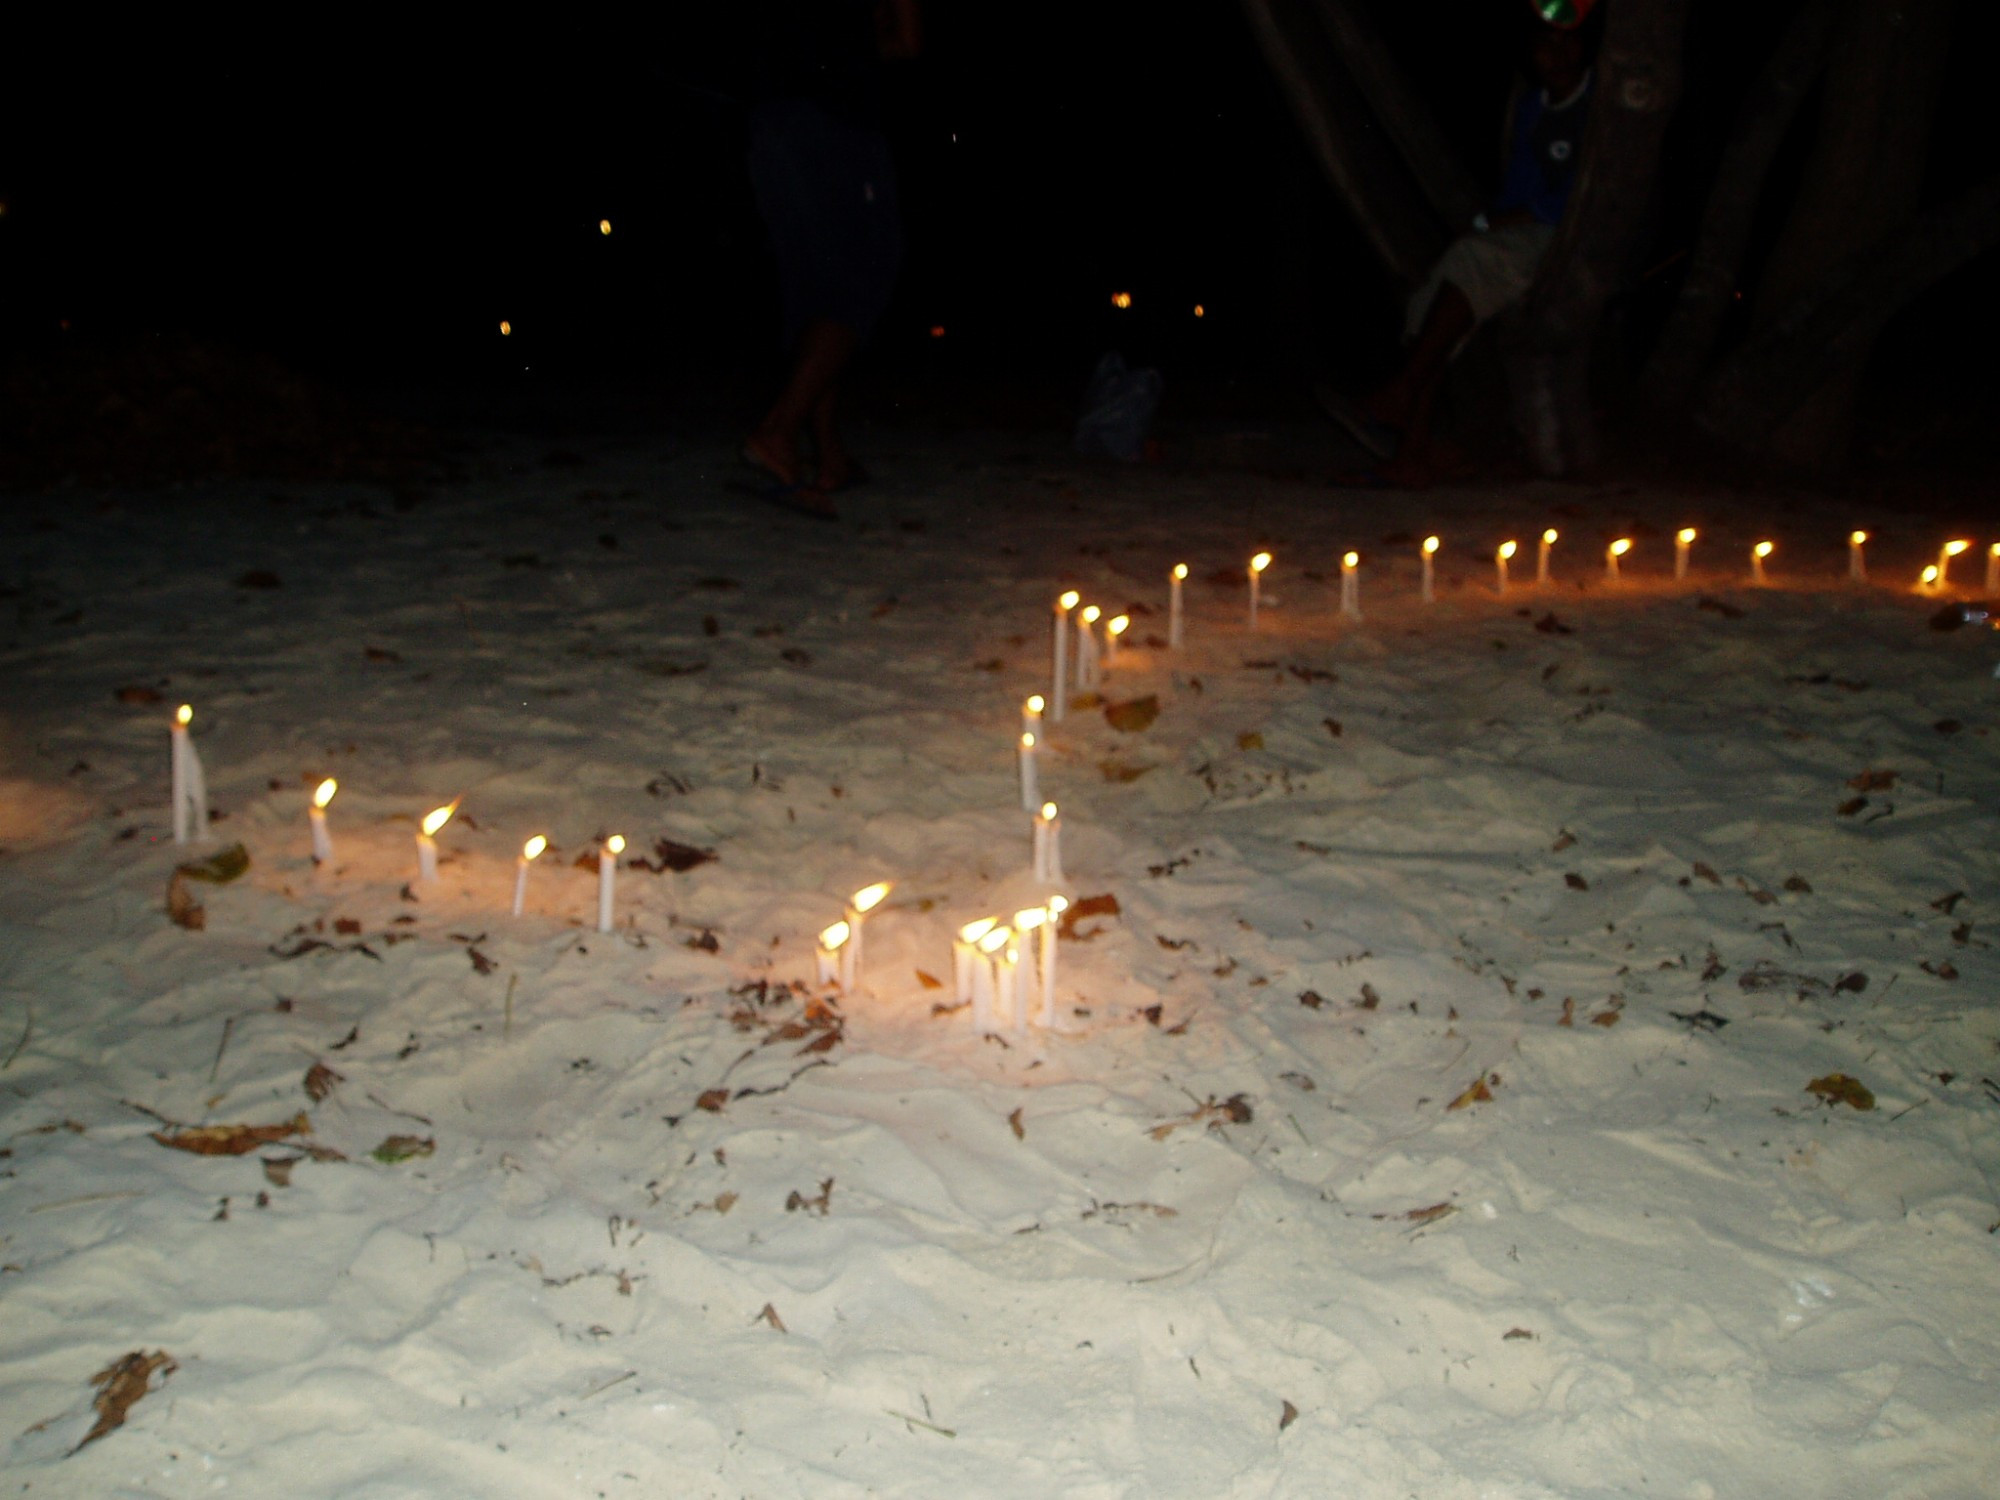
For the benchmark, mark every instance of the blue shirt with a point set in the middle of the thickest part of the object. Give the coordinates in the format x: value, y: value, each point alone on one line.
x: 1543, y: 145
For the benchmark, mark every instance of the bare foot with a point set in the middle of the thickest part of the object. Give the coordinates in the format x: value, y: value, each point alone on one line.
x: 776, y: 455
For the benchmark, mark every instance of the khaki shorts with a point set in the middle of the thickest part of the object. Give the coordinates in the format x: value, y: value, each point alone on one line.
x: 1494, y: 268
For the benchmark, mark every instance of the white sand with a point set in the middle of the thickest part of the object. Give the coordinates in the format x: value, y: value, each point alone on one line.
x: 1665, y: 1268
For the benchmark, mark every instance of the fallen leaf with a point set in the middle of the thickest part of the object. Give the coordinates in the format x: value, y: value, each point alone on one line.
x: 1727, y: 611
x: 1311, y: 999
x: 1429, y: 1214
x: 1249, y: 740
x: 278, y: 1169
x: 1516, y: 1333
x: 681, y: 857
x: 219, y: 868
x: 1700, y: 1020
x: 1944, y: 970
x: 1332, y: 727
x: 1569, y: 1011
x: 1020, y: 1130
x: 770, y: 1315
x: 1132, y: 715
x: 120, y: 1384
x: 1549, y: 625
x: 181, y: 905
x: 1576, y: 882
x: 1370, y: 997
x: 1300, y: 1081
x: 1606, y: 1018
x: 929, y: 981
x: 1707, y: 872
x: 724, y: 1202
x: 1851, y: 806
x: 1477, y: 1093
x: 1287, y: 1414
x: 1872, y: 781
x: 1948, y: 904
x: 481, y: 964
x: 320, y: 1080
x: 1855, y: 982
x: 712, y: 1100
x: 231, y: 1140
x: 1838, y: 1088
x: 1563, y: 840
x: 1105, y: 905
x: 1798, y: 885
x: 403, y: 1148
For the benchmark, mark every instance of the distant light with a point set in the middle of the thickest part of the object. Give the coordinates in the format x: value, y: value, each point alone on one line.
x: 1200, y: 311
x: 937, y: 330
x: 1121, y: 299
x: 505, y: 328
x: 604, y: 226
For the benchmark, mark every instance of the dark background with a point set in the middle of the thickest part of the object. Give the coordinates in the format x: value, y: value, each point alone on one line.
x: 367, y: 204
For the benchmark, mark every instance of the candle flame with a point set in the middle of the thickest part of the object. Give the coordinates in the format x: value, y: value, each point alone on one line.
x: 1048, y: 812
x: 505, y: 328
x: 972, y: 932
x: 1031, y: 918
x: 615, y: 844
x: 1549, y: 537
x: 184, y: 715
x: 1685, y: 535
x: 1180, y: 570
x: 1350, y: 560
x: 1069, y: 600
x: 1200, y: 311
x: 323, y: 793
x: 1091, y: 613
x: 1121, y: 299
x: 1027, y: 742
x: 1260, y: 562
x: 997, y: 939
x: 1952, y: 549
x: 534, y: 847
x: 1507, y: 550
x: 1930, y: 574
x: 1622, y: 546
x: 1119, y: 624
x: 1764, y: 549
x: 604, y: 226
x: 437, y: 817
x: 1857, y: 537
x: 869, y: 897
x: 1058, y: 905
x: 1430, y: 545
x: 1036, y: 703
x: 1994, y: 550
x: 835, y: 935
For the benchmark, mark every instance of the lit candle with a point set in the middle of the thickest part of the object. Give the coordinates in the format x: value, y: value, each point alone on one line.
x: 1031, y: 714
x: 1086, y: 646
x: 427, y: 849
x: 964, y: 952
x: 1502, y: 555
x: 1174, y: 581
x: 983, y: 977
x: 1048, y: 843
x: 1857, y: 565
x: 1945, y: 555
x: 1757, y: 555
x: 1257, y: 566
x: 316, y: 819
x: 1059, y: 684
x: 1927, y: 580
x: 1611, y: 555
x: 190, y: 787
x: 1350, y: 585
x: 859, y: 905
x: 1542, y: 557
x: 1683, y: 540
x: 1057, y: 906
x: 1114, y: 630
x: 1028, y: 923
x: 1031, y: 793
x: 607, y: 878
x: 1012, y: 989
x: 530, y: 852
x: 1429, y: 588
x: 830, y: 955
x: 1993, y: 570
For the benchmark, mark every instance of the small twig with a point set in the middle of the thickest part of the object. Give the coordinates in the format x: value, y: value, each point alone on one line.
x: 220, y: 1048
x: 903, y: 1416
x: 152, y: 1113
x: 378, y: 1100
x: 507, y: 1024
x: 27, y: 1031
x: 43, y: 1208
x: 603, y: 1386
x: 1907, y: 1108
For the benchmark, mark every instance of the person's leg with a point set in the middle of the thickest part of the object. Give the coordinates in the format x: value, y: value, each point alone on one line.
x: 824, y: 351
x: 1405, y: 402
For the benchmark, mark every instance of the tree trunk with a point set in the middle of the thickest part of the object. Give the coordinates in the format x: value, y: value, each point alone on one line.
x: 1449, y: 189
x: 1834, y: 324
x: 1860, y: 189
x: 1638, y: 84
x: 1378, y: 189
x: 1693, y: 327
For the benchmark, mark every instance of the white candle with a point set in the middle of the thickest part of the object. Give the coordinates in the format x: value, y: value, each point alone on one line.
x: 1428, y: 590
x: 1611, y: 555
x: 1175, y: 635
x: 1016, y: 988
x: 830, y: 955
x: 322, y: 841
x: 530, y: 852
x: 1059, y: 684
x: 1048, y: 844
x: 1350, y: 585
x: 1034, y: 925
x: 1993, y: 570
x: 607, y: 878
x: 859, y: 905
x: 1114, y: 632
x: 190, y: 787
x: 1502, y: 555
x: 964, y: 953
x: 1757, y: 555
x: 1031, y: 792
x: 983, y: 988
x: 1257, y: 566
x: 1057, y: 906
x: 1542, y: 557
x: 427, y: 849
x: 1857, y: 565
x: 1683, y: 541
x: 1031, y: 714
x: 1086, y: 647
x: 1946, y: 553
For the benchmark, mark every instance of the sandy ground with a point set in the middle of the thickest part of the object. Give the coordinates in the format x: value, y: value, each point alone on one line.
x: 1615, y: 854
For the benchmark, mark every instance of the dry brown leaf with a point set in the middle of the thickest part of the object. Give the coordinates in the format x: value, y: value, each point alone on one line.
x: 929, y: 981
x: 1707, y: 872
x: 1569, y: 1011
x: 1287, y: 1415
x: 1563, y: 840
x: 1250, y: 740
x: 770, y: 1315
x: 1575, y: 881
x: 320, y: 1080
x: 1105, y: 905
x: 1606, y: 1017
x: 724, y: 1202
x: 231, y: 1140
x: 181, y: 905
x: 1838, y: 1088
x: 278, y: 1169
x: 120, y: 1384
x: 712, y: 1100
x: 1517, y: 1333
x: 1020, y: 1130
x: 1429, y: 1214
x: 1478, y: 1093
x: 1872, y: 781
x: 1133, y: 715
x: 1851, y: 806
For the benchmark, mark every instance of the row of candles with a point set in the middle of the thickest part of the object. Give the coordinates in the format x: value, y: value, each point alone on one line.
x: 190, y: 820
